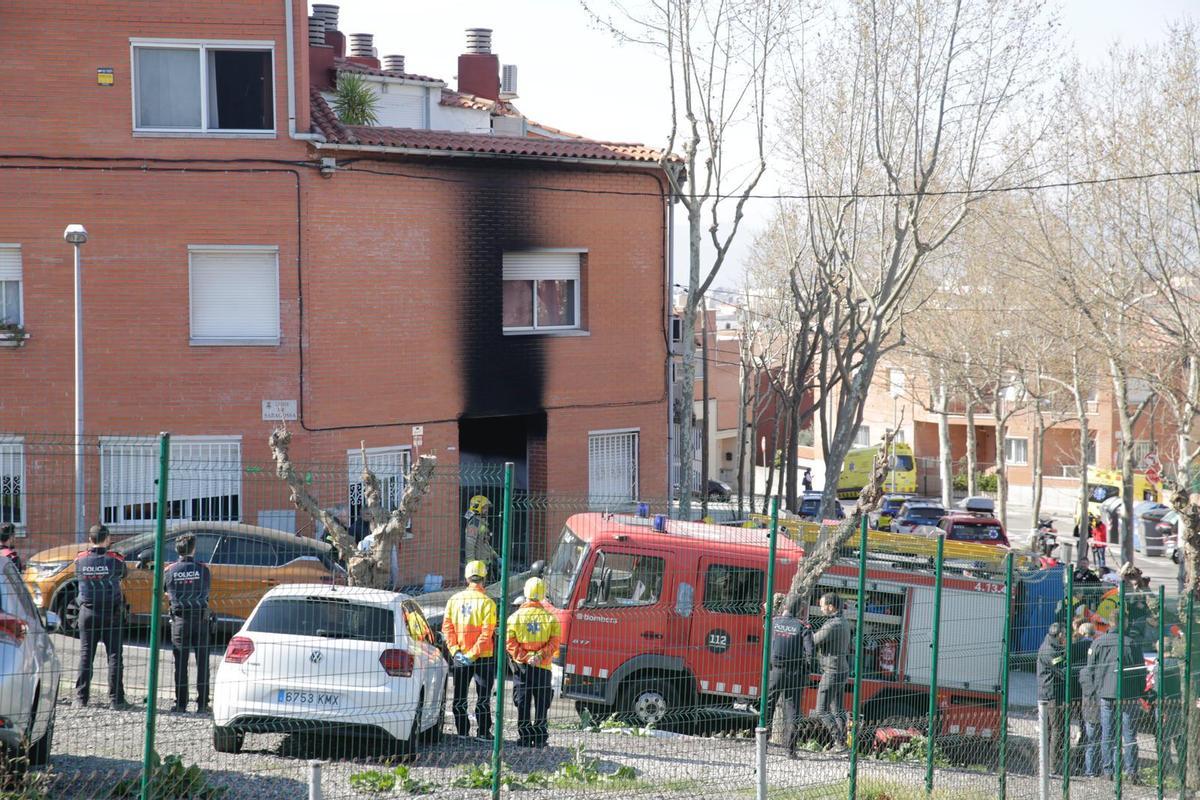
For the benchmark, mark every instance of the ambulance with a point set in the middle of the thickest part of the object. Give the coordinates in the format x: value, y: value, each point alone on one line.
x: 860, y: 462
x: 662, y: 620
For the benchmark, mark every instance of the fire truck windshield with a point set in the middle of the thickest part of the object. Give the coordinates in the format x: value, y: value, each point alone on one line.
x: 564, y: 568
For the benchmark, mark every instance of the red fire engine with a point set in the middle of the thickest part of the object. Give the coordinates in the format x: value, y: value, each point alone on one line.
x: 661, y: 617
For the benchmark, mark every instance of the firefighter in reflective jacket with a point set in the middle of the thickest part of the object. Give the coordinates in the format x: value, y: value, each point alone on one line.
x: 478, y: 535
x: 532, y: 642
x: 101, y: 616
x: 187, y: 583
x: 469, y: 628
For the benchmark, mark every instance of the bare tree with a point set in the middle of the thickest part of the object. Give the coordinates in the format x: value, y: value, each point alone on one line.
x: 718, y: 56
x: 371, y: 568
x: 897, y: 103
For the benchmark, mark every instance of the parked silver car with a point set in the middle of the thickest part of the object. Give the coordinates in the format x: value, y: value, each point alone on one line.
x: 29, y: 671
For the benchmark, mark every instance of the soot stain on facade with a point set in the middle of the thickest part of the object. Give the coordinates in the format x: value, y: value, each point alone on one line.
x: 502, y: 375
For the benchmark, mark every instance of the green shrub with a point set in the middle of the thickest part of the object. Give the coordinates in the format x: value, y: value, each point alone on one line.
x: 355, y: 102
x: 170, y: 780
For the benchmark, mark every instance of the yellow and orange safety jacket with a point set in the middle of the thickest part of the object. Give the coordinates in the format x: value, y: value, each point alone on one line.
x: 533, y: 630
x: 470, y: 623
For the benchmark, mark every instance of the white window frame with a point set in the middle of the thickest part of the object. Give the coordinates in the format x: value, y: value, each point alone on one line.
x: 896, y: 380
x: 1141, y: 449
x: 180, y: 489
x: 248, y: 341
x: 1010, y: 450
x: 12, y: 449
x: 391, y: 485
x: 577, y: 326
x: 20, y: 279
x: 862, y: 436
x: 598, y: 499
x: 203, y: 46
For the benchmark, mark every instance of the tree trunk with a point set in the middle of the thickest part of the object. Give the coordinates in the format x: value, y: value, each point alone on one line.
x: 1121, y: 399
x: 769, y: 455
x: 1037, y: 463
x: 705, y: 442
x: 741, y: 434
x: 1084, y: 442
x: 945, y: 454
x: 1001, y: 457
x: 688, y: 390
x: 793, y: 443
x: 972, y: 483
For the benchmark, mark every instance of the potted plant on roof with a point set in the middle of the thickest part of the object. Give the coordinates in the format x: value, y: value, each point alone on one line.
x: 12, y: 334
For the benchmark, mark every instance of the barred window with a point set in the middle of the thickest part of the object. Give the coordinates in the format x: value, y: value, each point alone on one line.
x: 204, y: 483
x: 390, y: 465
x: 612, y: 467
x: 12, y: 480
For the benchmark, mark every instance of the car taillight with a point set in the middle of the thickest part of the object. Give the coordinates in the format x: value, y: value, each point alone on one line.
x: 12, y: 629
x: 240, y: 648
x: 397, y: 663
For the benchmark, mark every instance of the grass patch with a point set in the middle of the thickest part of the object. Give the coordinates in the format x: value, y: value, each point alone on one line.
x: 875, y: 789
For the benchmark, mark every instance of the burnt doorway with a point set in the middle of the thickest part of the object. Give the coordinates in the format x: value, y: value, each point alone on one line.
x: 485, y: 444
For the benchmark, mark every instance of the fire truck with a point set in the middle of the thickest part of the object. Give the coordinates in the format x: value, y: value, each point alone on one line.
x: 662, y: 618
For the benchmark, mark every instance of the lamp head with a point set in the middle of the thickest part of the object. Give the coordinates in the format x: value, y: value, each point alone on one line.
x: 75, y: 234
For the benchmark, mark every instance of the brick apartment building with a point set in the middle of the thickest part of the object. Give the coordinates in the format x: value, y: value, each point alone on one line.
x: 499, y: 283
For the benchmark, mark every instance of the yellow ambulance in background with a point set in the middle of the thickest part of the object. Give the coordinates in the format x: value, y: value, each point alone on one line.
x: 856, y: 470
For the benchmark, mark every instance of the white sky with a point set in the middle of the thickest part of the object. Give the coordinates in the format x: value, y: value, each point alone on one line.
x: 574, y: 76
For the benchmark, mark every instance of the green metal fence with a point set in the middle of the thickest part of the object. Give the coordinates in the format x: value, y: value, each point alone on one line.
x: 664, y: 670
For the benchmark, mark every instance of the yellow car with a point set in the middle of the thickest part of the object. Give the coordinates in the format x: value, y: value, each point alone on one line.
x: 246, y: 561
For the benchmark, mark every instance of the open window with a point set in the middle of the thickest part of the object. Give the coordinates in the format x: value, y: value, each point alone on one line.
x: 625, y: 579
x: 186, y: 86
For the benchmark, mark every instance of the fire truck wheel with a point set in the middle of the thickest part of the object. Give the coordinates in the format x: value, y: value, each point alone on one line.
x: 649, y: 701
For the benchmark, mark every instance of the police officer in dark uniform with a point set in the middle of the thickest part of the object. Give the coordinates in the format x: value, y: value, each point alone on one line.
x: 791, y: 654
x: 832, y: 643
x: 101, y: 616
x: 187, y: 583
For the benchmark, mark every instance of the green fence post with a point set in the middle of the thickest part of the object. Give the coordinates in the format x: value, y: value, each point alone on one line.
x: 933, y: 665
x: 502, y: 627
x: 763, y: 734
x: 1185, y: 709
x: 160, y: 530
x: 1066, y: 723
x: 1119, y: 759
x: 858, y: 657
x: 1161, y: 664
x: 1005, y: 654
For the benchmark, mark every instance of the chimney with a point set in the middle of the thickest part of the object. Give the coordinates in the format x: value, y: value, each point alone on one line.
x: 327, y: 12
x: 361, y: 45
x: 316, y: 31
x: 393, y: 63
x: 479, y: 68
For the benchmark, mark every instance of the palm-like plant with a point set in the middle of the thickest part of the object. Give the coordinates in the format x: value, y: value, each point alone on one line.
x: 355, y: 102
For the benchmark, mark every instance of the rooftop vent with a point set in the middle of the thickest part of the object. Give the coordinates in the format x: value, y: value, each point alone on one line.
x: 479, y: 40
x: 327, y: 12
x: 362, y: 45
x: 393, y: 63
x: 508, y: 82
x: 316, y: 30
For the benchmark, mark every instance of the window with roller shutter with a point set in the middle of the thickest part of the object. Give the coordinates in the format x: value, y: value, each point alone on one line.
x: 612, y: 467
x: 234, y: 295
x: 541, y: 290
x: 11, y: 310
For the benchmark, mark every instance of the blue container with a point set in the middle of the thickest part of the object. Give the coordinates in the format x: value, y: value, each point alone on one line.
x: 1038, y: 595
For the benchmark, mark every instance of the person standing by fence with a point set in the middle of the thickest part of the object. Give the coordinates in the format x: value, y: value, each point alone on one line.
x: 187, y: 583
x: 8, y: 548
x: 1089, y: 704
x: 101, y: 616
x: 532, y: 643
x: 469, y: 628
x: 1051, y: 658
x: 1107, y: 664
x: 832, y: 643
x: 791, y: 657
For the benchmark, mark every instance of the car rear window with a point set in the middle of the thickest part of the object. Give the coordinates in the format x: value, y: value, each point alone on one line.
x: 323, y: 616
x: 976, y: 532
x: 926, y: 514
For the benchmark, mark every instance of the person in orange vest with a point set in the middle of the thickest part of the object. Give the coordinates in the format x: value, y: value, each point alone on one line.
x: 469, y: 628
x: 532, y: 642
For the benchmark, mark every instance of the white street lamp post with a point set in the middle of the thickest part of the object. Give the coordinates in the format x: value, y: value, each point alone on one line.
x: 77, y: 235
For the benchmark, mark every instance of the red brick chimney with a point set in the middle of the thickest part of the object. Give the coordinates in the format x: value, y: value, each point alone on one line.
x: 478, y: 68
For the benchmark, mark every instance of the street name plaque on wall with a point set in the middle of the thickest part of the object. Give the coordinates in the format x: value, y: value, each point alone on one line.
x: 276, y: 410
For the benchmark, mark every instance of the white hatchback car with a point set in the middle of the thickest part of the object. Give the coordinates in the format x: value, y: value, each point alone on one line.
x: 29, y: 671
x: 345, y: 661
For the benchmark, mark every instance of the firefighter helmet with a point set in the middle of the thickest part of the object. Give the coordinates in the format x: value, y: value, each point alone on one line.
x: 535, y: 589
x: 479, y: 504
x: 475, y: 569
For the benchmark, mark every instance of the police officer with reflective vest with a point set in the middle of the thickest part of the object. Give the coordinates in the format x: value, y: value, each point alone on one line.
x: 9, y: 551
x: 101, y: 615
x: 469, y: 629
x: 187, y: 583
x: 532, y: 642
